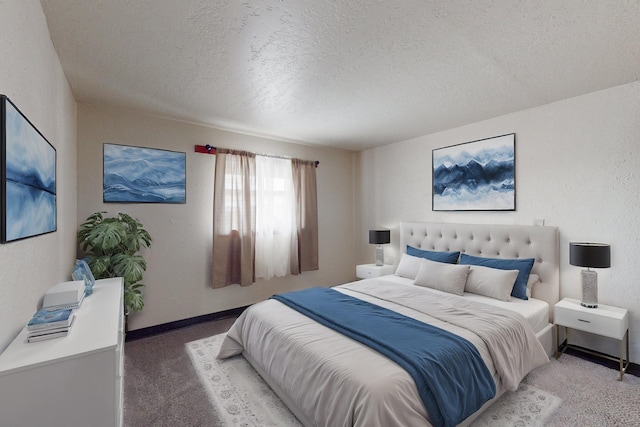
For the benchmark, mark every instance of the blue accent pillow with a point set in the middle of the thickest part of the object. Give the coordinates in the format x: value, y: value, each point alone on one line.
x: 523, y: 265
x: 447, y: 257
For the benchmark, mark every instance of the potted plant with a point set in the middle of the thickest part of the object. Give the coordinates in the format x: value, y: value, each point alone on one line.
x: 112, y: 245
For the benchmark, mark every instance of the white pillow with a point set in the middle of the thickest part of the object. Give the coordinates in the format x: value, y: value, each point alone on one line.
x: 441, y: 276
x: 533, y: 279
x: 491, y: 282
x: 408, y: 266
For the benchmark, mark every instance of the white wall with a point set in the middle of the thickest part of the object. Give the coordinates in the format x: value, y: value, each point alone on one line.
x: 31, y: 76
x: 577, y: 167
x: 179, y: 269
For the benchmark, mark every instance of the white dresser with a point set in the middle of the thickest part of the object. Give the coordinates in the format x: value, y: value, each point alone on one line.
x: 74, y: 381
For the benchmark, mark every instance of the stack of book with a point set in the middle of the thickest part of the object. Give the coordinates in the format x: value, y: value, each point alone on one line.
x: 47, y: 323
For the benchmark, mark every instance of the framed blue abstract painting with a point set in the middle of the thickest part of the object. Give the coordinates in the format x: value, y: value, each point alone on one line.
x: 475, y: 176
x: 143, y: 175
x: 28, y: 177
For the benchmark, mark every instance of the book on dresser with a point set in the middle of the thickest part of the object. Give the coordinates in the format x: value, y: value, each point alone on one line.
x: 47, y: 335
x: 49, y: 319
x: 48, y: 324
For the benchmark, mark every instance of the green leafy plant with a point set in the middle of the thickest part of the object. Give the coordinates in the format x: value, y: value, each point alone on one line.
x: 112, y: 246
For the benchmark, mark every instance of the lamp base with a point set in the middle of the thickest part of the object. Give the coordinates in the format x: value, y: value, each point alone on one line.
x: 589, y: 289
x: 379, y: 256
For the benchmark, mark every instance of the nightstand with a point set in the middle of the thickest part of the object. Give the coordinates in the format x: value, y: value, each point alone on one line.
x: 368, y: 271
x: 607, y: 321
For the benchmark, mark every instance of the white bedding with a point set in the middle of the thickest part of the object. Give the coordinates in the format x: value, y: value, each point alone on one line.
x: 330, y: 380
x: 535, y: 311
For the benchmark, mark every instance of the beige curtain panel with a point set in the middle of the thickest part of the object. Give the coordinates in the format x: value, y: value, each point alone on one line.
x: 234, y: 218
x: 304, y: 184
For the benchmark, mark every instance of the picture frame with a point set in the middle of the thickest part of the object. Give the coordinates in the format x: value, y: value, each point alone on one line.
x: 143, y: 175
x: 28, y: 196
x: 475, y: 176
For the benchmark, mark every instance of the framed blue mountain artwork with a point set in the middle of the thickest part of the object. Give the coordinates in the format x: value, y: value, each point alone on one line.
x: 143, y: 175
x: 28, y: 177
x: 475, y: 176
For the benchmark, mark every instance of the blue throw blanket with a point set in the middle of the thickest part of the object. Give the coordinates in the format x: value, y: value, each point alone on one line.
x: 452, y: 379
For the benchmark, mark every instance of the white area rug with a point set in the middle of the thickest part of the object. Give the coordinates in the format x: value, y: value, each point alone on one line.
x: 527, y: 406
x: 240, y: 397
x: 238, y: 394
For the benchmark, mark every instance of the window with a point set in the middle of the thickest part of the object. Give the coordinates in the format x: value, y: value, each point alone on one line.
x: 265, y: 218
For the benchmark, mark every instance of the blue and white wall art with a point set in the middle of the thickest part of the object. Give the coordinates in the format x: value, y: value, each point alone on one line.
x: 28, y: 187
x: 475, y: 176
x: 143, y: 175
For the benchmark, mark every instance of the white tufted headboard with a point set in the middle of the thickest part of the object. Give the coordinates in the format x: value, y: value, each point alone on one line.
x: 494, y: 241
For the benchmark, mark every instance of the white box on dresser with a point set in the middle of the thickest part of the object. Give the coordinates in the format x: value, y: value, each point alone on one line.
x: 72, y: 381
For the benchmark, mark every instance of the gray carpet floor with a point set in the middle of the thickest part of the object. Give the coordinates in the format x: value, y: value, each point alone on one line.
x: 161, y: 387
x: 591, y: 394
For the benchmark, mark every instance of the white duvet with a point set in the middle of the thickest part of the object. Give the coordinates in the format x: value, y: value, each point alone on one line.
x: 330, y: 380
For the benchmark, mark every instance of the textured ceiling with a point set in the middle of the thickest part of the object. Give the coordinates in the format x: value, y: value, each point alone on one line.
x: 342, y: 73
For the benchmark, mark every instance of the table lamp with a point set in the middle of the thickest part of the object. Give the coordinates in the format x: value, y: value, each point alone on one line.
x: 379, y: 237
x: 590, y: 255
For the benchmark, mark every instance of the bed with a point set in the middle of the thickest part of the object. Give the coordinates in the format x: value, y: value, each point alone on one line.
x: 329, y: 379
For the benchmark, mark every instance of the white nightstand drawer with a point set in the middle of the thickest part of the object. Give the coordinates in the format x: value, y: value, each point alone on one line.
x: 604, y: 320
x: 368, y: 271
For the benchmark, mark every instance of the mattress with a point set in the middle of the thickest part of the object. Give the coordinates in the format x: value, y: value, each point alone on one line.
x: 535, y: 311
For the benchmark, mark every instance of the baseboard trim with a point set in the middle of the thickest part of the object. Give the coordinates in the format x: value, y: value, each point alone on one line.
x: 170, y: 326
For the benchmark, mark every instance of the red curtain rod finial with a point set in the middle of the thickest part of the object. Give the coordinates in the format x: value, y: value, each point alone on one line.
x: 206, y: 149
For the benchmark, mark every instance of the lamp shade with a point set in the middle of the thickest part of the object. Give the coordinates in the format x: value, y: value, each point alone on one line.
x: 590, y: 255
x: 379, y: 237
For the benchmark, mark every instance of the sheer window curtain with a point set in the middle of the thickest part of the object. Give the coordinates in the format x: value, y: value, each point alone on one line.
x: 265, y: 218
x: 276, y: 234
